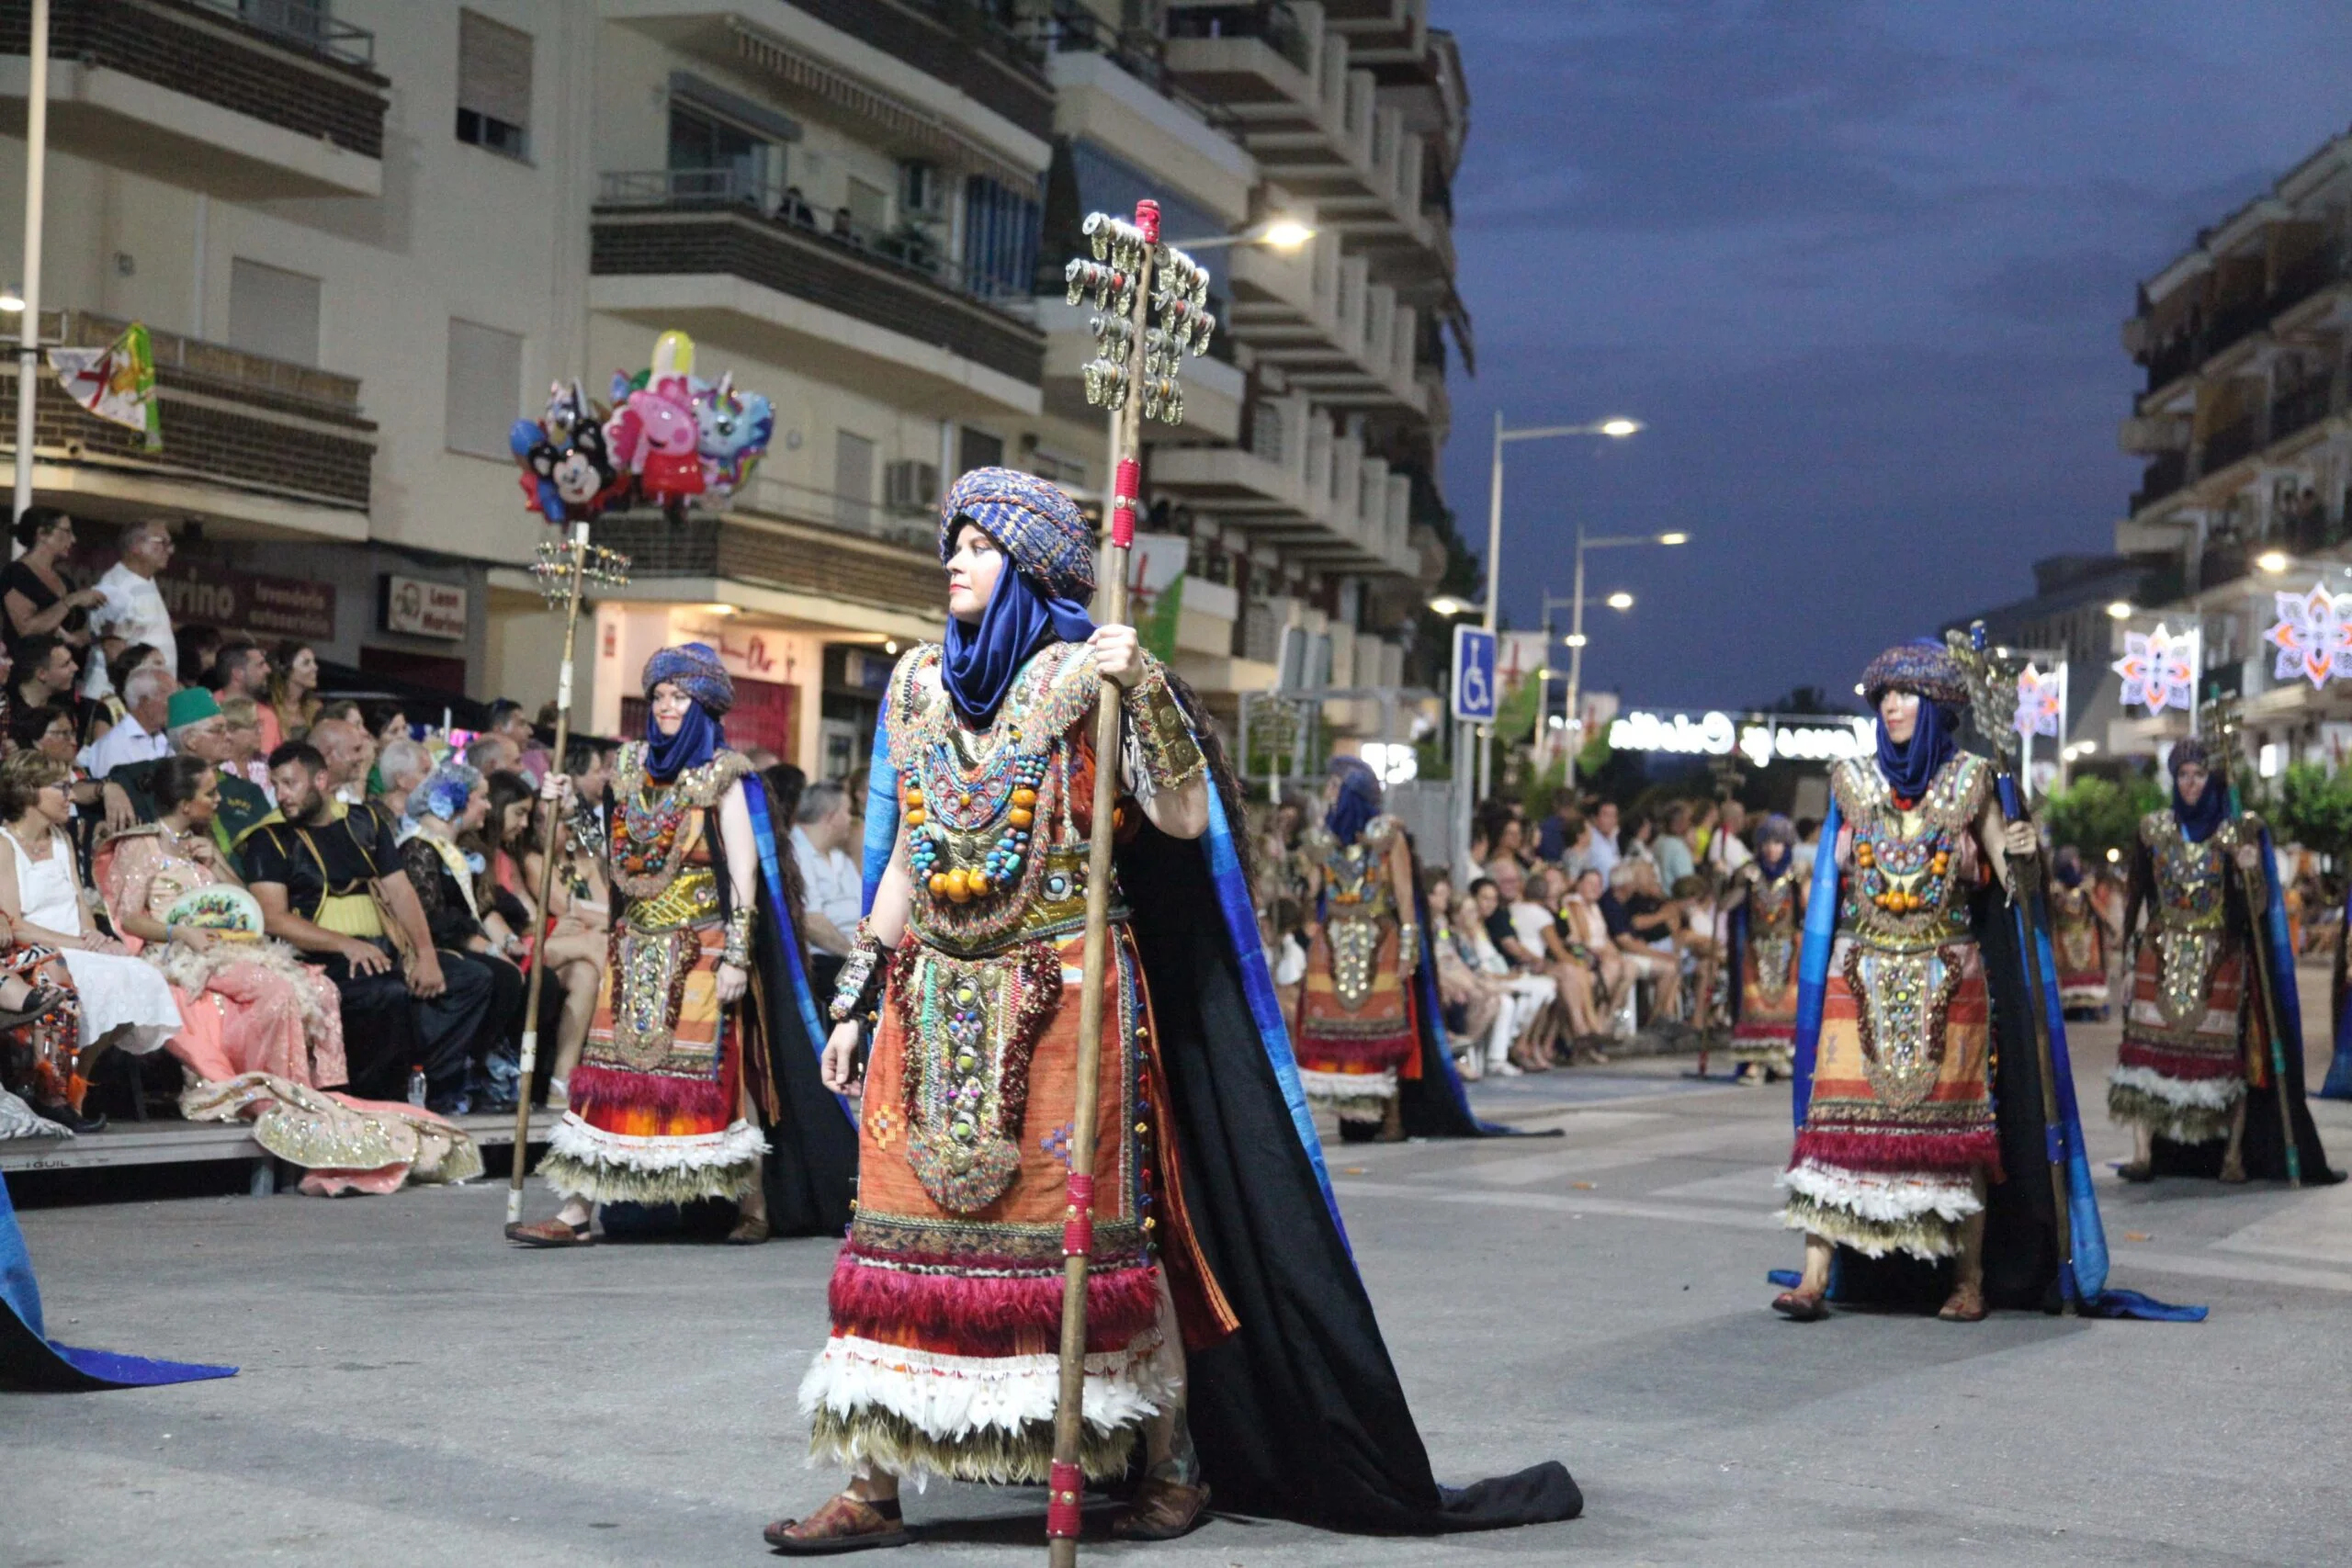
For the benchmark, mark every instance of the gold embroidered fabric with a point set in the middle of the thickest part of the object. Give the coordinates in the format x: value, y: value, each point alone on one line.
x: 1903, y: 891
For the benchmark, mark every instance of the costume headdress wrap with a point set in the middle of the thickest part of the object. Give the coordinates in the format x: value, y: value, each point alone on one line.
x: 1929, y: 672
x: 2066, y: 865
x: 446, y: 790
x: 694, y: 668
x: 1357, y: 801
x: 1042, y: 598
x: 2198, y: 821
x: 1774, y: 837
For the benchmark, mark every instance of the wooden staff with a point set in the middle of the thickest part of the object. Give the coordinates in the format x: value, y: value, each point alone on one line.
x: 1067, y: 1482
x: 575, y: 564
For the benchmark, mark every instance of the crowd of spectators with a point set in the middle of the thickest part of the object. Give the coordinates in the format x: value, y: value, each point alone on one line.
x: 1556, y: 940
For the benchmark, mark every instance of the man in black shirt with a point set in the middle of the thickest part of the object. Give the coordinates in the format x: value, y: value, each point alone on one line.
x: 327, y: 876
x: 1639, y: 919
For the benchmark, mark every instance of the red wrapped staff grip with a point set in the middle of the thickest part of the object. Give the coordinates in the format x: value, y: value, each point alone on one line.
x: 1124, y: 491
x: 1147, y: 219
x: 1077, y: 1226
x: 1064, y: 1488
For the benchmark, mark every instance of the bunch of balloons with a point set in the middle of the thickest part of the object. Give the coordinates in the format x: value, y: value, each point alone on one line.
x: 669, y: 439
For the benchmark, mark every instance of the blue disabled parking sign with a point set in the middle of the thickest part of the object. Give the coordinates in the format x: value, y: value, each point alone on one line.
x: 1474, y: 674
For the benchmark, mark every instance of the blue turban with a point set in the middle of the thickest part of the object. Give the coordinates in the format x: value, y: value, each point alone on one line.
x: 694, y: 668
x: 1050, y: 556
x: 1359, y: 799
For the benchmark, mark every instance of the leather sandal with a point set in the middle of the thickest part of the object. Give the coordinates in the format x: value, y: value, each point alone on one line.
x: 549, y: 1233
x: 2136, y: 1170
x: 750, y: 1231
x: 1161, y: 1511
x: 1966, y: 1304
x: 843, y: 1524
x: 2234, y: 1172
x: 1802, y: 1306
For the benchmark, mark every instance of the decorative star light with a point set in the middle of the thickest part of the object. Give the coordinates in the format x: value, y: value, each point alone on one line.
x: 2313, y: 635
x: 2158, y: 668
x: 2041, y: 701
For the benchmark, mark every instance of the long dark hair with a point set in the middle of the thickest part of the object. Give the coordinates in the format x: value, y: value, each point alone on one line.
x: 178, y: 780
x: 506, y: 788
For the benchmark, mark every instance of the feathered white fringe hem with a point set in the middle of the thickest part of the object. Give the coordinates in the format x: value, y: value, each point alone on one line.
x: 952, y: 1397
x: 1883, y: 1197
x: 1342, y: 1090
x: 2200, y: 1094
x: 702, y: 1151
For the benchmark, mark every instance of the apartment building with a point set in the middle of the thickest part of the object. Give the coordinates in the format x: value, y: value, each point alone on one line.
x: 2245, y: 341
x: 367, y: 235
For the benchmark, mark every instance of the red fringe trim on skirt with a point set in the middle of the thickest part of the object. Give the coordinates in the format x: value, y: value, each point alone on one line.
x: 970, y: 1316
x: 1898, y: 1152
x: 2224, y: 1064
x: 676, y: 1098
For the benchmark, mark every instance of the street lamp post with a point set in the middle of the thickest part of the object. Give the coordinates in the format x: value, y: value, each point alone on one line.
x: 1615, y: 429
x: 1577, y: 639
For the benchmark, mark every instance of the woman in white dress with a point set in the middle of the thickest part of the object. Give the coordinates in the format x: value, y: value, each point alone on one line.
x: 123, y: 1003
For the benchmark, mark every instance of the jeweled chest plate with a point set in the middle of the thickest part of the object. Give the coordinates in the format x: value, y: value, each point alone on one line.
x: 1903, y: 889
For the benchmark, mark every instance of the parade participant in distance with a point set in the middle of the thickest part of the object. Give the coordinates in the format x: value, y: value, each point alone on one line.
x: 1355, y: 1012
x: 2078, y: 936
x: 1767, y: 903
x: 686, y: 1063
x: 1222, y: 1303
x: 2194, y: 1078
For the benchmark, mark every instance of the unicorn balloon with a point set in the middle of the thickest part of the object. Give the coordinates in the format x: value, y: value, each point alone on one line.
x: 734, y: 429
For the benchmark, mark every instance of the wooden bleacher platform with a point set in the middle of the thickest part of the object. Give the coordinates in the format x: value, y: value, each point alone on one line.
x: 128, y: 1143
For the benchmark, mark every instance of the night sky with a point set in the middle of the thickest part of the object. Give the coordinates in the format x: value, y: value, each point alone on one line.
x: 1862, y: 268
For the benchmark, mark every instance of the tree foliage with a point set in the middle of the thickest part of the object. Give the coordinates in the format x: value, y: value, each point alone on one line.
x: 2310, y: 807
x: 2097, y: 815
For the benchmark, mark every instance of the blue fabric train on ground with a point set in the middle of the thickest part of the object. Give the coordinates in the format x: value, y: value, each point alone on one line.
x: 31, y: 1363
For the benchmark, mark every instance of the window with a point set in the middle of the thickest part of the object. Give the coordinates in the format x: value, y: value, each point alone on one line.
x: 272, y: 312
x: 852, y: 482
x: 723, y: 147
x: 978, y: 449
x: 485, y: 388
x: 494, y: 85
x: 999, y: 239
x: 869, y: 207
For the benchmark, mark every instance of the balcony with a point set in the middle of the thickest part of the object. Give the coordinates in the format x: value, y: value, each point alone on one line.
x: 1315, y: 496
x: 1314, y: 125
x: 954, y: 41
x: 683, y: 247
x: 2318, y: 270
x: 247, y: 441
x: 1317, y: 316
x: 2227, y: 444
x: 2163, y: 477
x: 1114, y: 89
x: 249, y: 103
x: 813, y: 564
x: 2299, y: 410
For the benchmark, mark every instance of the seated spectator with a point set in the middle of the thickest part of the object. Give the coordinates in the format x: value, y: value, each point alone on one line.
x: 343, y: 710
x: 293, y: 695
x: 1561, y: 828
x: 1642, y: 927
x: 1605, y: 850
x: 1472, y: 1001
x: 122, y: 1003
x: 199, y: 647
x: 1519, y: 928
x: 488, y: 754
x: 248, y: 1007
x: 243, y: 717
x: 508, y: 720
x: 44, y: 671
x: 46, y: 728
x: 1696, y: 934
x: 1579, y: 975
x: 1585, y: 931
x: 1728, y: 851
x: 579, y: 911
x: 240, y: 669
x: 140, y: 737
x: 195, y: 728
x: 350, y: 752
x: 400, y: 766
x: 453, y: 801
x: 1672, y: 851
x: 1535, y: 997
x: 835, y: 887
x: 333, y: 885
x: 387, y: 722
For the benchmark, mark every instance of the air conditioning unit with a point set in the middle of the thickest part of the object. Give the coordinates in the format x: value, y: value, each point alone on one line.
x: 909, y: 485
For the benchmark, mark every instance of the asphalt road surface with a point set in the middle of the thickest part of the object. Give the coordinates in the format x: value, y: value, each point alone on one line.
x: 414, y: 1391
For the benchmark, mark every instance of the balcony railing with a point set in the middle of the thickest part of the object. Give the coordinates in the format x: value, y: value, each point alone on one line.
x: 959, y: 43
x: 310, y: 23
x: 2163, y: 477
x: 279, y: 76
x: 2228, y: 444
x: 2185, y: 351
x: 1141, y: 55
x: 666, y: 222
x: 2300, y: 409
x: 1269, y: 20
x: 737, y: 549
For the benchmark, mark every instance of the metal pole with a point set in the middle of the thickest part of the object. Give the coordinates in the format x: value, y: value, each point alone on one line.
x: 1576, y: 657
x: 1066, y: 1481
x: 28, y: 337
x: 548, y: 840
x: 1494, y: 590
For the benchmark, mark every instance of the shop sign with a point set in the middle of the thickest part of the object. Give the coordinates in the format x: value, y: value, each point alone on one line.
x: 416, y: 606
x: 1761, y: 738
x: 203, y: 592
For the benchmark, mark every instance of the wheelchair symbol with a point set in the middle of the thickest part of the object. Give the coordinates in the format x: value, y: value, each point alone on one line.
x: 1475, y: 695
